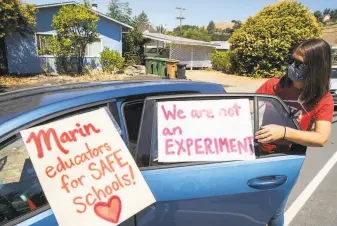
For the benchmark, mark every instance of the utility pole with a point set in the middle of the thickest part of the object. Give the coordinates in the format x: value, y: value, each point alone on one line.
x: 181, y: 18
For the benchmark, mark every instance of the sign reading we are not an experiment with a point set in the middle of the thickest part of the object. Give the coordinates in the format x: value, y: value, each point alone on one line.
x: 87, y: 173
x: 205, y: 130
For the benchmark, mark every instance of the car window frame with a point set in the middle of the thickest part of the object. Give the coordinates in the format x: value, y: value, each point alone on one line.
x: 110, y: 104
x: 142, y: 98
x: 152, y: 101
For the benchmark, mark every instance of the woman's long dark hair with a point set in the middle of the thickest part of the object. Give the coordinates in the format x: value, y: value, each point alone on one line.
x: 316, y: 54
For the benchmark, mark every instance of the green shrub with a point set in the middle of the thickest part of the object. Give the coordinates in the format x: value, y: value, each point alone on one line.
x: 111, y: 60
x: 132, y: 59
x: 221, y: 61
x: 261, y: 45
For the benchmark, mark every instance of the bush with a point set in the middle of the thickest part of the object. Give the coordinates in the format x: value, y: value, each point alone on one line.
x: 111, y: 60
x: 261, y: 45
x: 221, y: 61
x: 132, y: 59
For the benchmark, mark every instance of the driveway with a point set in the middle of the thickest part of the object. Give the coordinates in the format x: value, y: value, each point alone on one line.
x: 231, y: 83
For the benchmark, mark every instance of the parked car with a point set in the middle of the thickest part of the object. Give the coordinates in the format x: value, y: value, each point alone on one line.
x: 161, y: 52
x: 333, y: 88
x: 198, y: 193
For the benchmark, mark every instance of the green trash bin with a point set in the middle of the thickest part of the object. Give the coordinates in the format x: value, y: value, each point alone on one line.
x: 148, y: 65
x: 154, y: 67
x: 162, y: 67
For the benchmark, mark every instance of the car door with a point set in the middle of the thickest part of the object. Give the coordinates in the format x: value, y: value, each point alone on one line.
x: 22, y: 199
x: 218, y: 193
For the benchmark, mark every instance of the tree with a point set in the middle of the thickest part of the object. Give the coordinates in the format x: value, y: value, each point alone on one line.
x: 141, y: 21
x: 237, y: 25
x: 184, y: 28
x: 14, y: 17
x: 211, y: 27
x: 318, y: 14
x: 133, y: 41
x: 197, y: 34
x: 120, y: 11
x: 261, y: 45
x: 87, y: 4
x: 326, y: 11
x: 161, y: 29
x: 76, y: 28
x: 192, y: 32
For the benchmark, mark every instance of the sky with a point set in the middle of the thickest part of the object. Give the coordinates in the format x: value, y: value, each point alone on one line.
x: 198, y: 12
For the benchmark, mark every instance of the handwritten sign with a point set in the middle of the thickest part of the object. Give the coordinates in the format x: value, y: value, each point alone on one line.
x: 207, y: 130
x: 87, y: 173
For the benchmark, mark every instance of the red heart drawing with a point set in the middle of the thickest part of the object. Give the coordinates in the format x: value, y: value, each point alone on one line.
x: 109, y: 211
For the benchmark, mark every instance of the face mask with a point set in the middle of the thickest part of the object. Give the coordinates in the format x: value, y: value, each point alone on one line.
x: 296, y: 74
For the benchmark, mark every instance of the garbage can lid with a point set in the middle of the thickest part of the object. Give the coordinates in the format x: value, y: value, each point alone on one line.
x: 172, y: 61
x: 160, y: 59
x: 182, y: 64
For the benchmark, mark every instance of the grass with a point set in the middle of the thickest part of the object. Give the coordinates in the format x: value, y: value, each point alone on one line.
x: 10, y: 83
x: 41, y: 79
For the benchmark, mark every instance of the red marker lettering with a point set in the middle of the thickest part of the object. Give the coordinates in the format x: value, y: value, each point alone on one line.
x: 168, y: 145
x: 173, y: 114
x: 65, y: 137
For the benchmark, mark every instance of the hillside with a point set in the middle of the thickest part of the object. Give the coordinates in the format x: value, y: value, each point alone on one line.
x: 330, y: 34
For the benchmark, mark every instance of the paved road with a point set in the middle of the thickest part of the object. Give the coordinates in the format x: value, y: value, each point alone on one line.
x: 321, y: 208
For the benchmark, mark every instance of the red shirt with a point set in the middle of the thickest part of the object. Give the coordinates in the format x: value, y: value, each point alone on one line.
x: 306, y: 115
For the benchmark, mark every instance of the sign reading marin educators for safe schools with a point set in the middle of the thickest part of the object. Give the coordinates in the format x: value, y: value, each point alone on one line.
x: 205, y: 130
x: 87, y: 173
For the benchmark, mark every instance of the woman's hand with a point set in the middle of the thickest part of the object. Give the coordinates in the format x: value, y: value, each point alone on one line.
x: 270, y: 133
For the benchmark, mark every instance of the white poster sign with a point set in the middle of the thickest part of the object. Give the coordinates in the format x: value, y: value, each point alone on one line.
x: 87, y: 173
x: 205, y: 130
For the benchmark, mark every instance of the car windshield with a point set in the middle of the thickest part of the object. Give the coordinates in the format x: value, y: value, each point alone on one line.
x: 334, y: 73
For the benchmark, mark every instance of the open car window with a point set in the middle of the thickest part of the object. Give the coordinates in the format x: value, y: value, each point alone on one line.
x: 264, y: 109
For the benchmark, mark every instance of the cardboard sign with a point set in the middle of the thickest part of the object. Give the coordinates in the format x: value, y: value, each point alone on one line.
x: 207, y: 130
x: 87, y: 173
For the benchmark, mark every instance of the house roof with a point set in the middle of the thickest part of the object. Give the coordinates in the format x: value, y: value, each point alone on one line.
x: 177, y: 40
x: 76, y: 3
x: 223, y: 44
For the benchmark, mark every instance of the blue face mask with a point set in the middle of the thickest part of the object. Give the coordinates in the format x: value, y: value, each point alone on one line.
x: 296, y: 74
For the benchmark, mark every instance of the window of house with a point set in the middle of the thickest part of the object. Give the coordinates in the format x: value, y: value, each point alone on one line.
x: 42, y: 41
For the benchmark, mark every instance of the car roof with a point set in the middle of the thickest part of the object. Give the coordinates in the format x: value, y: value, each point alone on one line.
x: 18, y: 103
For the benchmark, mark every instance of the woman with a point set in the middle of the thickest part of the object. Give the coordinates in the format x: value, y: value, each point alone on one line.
x: 306, y: 88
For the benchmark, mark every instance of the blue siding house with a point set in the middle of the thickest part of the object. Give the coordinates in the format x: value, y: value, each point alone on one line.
x: 22, y: 52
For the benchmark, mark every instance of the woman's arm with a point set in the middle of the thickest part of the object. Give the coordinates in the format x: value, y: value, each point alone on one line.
x: 316, y: 138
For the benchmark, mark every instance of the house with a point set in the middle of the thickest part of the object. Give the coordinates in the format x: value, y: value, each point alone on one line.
x: 223, y: 45
x: 22, y: 52
x: 326, y: 17
x: 193, y: 53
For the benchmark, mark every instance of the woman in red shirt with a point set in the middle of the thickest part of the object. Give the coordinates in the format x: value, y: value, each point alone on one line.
x: 306, y: 90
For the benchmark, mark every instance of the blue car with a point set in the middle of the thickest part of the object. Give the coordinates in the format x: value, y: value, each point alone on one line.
x: 199, y: 193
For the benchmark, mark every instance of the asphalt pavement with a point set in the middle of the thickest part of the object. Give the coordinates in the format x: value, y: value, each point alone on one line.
x: 313, y: 201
